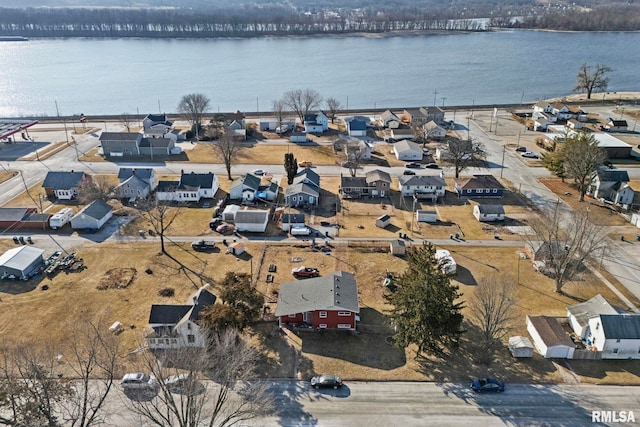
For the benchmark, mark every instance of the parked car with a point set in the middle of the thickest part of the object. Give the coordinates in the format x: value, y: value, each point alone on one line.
x: 305, y: 164
x: 282, y: 129
x: 259, y: 172
x: 183, y: 384
x: 408, y: 172
x: 426, y: 151
x: 304, y: 272
x: 203, y: 245
x: 414, y: 165
x: 224, y: 229
x: 522, y: 149
x: 432, y: 166
x: 529, y: 155
x: 326, y: 381
x: 15, y: 239
x: 487, y: 385
x: 138, y: 381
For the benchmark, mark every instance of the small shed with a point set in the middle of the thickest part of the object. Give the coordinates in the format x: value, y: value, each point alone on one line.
x: 384, y: 221
x: 254, y: 221
x: 229, y: 213
x: 486, y: 213
x: 93, y: 216
x: 426, y: 216
x: 290, y: 221
x: 398, y: 247
x: 236, y: 248
x: 550, y: 339
x: 520, y: 347
x: 298, y: 137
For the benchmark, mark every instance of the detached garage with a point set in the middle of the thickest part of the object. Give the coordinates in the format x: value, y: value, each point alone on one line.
x: 21, y: 263
x: 92, y: 217
x: 549, y: 338
x: 426, y: 216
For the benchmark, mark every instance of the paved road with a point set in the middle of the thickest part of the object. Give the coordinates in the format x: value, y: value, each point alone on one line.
x: 429, y: 404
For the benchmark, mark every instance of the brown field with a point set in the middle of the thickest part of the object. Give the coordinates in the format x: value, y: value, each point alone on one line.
x: 6, y: 175
x: 362, y: 356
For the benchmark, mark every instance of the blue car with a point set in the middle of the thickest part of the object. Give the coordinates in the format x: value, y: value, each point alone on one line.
x: 487, y: 385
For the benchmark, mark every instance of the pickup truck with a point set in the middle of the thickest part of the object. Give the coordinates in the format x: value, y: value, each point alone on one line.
x: 203, y: 245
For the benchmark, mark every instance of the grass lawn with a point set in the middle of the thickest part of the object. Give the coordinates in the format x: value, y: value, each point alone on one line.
x: 7, y: 175
x: 599, y: 213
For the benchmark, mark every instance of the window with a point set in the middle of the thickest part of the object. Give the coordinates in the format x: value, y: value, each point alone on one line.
x: 344, y: 313
x: 322, y: 326
x: 469, y: 191
x: 597, y: 326
x: 166, y: 340
x: 495, y: 190
x: 189, y: 326
x: 173, y: 340
x: 615, y: 351
x: 191, y: 338
x: 344, y: 326
x: 618, y: 340
x: 291, y: 315
x: 322, y: 314
x: 152, y: 341
x: 593, y: 341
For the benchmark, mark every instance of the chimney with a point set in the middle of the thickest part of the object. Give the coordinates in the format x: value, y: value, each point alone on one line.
x: 195, y: 300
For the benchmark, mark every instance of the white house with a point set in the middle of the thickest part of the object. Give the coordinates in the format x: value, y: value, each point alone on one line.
x: 486, y: 213
x: 190, y: 188
x: 551, y: 341
x: 611, y: 185
x: 176, y: 326
x: 252, y: 221
x: 358, y: 149
x: 136, y: 183
x: 389, y: 120
x: 407, y: 150
x: 249, y: 187
x: 579, y: 314
x: 422, y: 186
x: 316, y: 122
x: 616, y: 336
x: 434, y: 131
x: 156, y: 124
x: 92, y: 217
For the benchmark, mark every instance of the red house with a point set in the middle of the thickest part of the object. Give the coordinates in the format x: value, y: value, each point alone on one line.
x: 329, y: 302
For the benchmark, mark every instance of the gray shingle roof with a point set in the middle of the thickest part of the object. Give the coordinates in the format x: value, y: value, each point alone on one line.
x: 301, y: 188
x: 388, y: 115
x: 614, y: 175
x: 353, y: 182
x: 144, y: 174
x: 621, y: 326
x: 202, y: 180
x: 169, y: 314
x: 479, y: 182
x: 249, y: 180
x: 165, y: 186
x: 406, y: 145
x: 62, y: 180
x: 428, y: 180
x: 156, y: 142
x: 96, y: 209
x: 307, y: 175
x: 119, y: 136
x: 357, y: 124
x: 378, y: 175
x: 591, y: 308
x: 251, y: 216
x: 12, y: 214
x: 491, y: 209
x: 293, y: 218
x: 336, y: 291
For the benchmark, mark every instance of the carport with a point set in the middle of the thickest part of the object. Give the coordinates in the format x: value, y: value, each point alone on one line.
x: 10, y: 127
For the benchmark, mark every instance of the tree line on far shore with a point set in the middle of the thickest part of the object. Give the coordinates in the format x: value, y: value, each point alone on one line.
x: 279, y: 20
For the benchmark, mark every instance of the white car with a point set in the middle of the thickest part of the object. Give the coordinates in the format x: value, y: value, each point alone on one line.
x: 259, y: 172
x: 138, y: 381
x: 529, y: 155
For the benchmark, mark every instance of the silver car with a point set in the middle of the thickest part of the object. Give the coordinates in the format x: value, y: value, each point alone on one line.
x: 138, y: 381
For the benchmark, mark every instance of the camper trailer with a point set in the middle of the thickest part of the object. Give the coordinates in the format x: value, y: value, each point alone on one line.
x: 61, y: 218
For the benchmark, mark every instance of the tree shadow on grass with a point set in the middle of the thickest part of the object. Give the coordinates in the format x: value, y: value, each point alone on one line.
x: 472, y: 359
x: 196, y: 278
x: 465, y: 276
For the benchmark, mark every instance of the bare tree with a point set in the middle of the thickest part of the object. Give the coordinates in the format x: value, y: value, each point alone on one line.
x: 464, y: 153
x: 581, y: 157
x: 96, y: 188
x: 160, y: 216
x: 227, y: 149
x: 355, y: 152
x: 127, y: 120
x: 193, y: 106
x: 567, y: 241
x: 279, y: 106
x: 302, y: 101
x: 32, y: 386
x: 592, y: 78
x: 491, y: 308
x: 219, y: 387
x: 93, y: 359
x: 333, y: 107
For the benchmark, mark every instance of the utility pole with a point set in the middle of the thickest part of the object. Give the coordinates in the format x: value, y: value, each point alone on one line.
x: 443, y: 99
x: 504, y: 149
x: 413, y: 212
x: 66, y: 134
x: 435, y: 94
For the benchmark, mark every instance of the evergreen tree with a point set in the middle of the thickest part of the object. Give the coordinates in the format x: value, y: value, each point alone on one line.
x: 554, y: 162
x: 425, y: 311
x: 290, y: 166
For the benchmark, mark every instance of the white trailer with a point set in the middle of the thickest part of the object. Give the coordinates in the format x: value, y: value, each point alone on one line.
x: 61, y: 218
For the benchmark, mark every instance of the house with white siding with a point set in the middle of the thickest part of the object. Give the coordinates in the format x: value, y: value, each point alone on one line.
x: 190, y: 188
x: 422, y: 186
x: 615, y: 336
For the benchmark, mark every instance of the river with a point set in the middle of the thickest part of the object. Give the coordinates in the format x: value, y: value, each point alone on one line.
x: 114, y: 76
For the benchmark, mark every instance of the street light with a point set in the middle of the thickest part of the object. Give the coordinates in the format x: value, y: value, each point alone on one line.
x: 443, y: 99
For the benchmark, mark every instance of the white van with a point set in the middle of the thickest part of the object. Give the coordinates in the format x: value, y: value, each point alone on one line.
x: 138, y: 381
x: 61, y: 218
x: 300, y: 231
